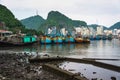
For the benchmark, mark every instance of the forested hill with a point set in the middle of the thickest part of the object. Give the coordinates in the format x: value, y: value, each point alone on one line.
x: 9, y: 19
x: 94, y: 26
x: 33, y: 22
x: 115, y: 26
x: 59, y: 20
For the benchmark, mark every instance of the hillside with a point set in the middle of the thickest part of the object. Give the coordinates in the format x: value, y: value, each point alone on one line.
x: 33, y: 22
x: 94, y: 26
x: 9, y: 19
x: 115, y: 26
x: 59, y: 20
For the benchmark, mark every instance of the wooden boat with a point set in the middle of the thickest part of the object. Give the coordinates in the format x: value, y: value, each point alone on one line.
x: 92, y: 38
x: 110, y: 37
x: 82, y: 40
x: 7, y: 43
x: 57, y: 40
x: 104, y: 37
x: 79, y: 40
x: 86, y: 40
x: 17, y: 40
x: 45, y: 40
x: 69, y: 39
x: 97, y: 37
x: 4, y: 33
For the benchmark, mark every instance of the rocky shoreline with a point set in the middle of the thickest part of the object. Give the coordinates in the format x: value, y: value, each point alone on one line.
x: 15, y: 66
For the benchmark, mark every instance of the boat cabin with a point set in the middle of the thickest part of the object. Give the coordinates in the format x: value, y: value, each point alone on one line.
x: 4, y: 33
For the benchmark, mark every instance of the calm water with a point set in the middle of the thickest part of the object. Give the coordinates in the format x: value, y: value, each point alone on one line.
x: 96, y: 49
x: 89, y: 71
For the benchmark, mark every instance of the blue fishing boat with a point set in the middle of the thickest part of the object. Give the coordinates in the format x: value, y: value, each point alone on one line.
x: 45, y: 40
x: 57, y: 36
x: 97, y: 37
x: 69, y: 39
x: 104, y: 37
x: 92, y: 38
x: 110, y: 37
x: 57, y: 40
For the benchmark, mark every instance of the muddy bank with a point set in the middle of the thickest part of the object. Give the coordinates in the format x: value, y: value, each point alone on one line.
x: 15, y: 66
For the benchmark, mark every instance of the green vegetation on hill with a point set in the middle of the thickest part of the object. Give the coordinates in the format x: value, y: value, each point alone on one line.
x: 8, y: 18
x: 59, y: 20
x: 78, y: 23
x: 33, y: 22
x: 94, y: 26
x: 12, y: 23
x: 115, y: 26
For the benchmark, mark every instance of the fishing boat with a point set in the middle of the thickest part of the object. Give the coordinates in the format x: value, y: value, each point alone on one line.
x: 104, y: 37
x: 110, y: 37
x: 4, y: 33
x: 97, y: 37
x: 10, y: 39
x: 86, y: 40
x: 79, y: 40
x: 92, y: 38
x: 69, y: 39
x: 45, y: 40
x: 57, y: 39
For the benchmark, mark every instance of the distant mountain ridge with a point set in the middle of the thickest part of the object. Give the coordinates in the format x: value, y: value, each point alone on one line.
x: 33, y: 22
x: 94, y: 26
x: 115, y: 26
x: 9, y: 19
x: 59, y: 20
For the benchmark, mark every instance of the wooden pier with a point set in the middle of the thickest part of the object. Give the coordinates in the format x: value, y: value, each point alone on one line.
x: 69, y: 75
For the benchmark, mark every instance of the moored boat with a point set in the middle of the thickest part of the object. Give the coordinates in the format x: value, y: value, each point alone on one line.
x: 69, y: 39
x: 57, y: 40
x: 110, y: 37
x: 104, y: 37
x: 17, y: 40
x: 45, y: 40
x: 86, y: 40
x: 78, y: 40
x: 97, y: 37
x: 92, y: 38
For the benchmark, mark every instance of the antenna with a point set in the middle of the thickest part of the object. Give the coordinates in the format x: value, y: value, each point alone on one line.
x: 36, y: 12
x: 96, y: 21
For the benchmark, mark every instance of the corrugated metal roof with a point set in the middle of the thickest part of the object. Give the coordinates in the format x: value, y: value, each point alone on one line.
x: 5, y: 31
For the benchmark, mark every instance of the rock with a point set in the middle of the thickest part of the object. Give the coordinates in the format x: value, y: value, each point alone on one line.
x: 12, y: 68
x: 94, y: 79
x: 113, y: 78
x: 84, y: 69
x: 94, y: 72
x: 71, y: 69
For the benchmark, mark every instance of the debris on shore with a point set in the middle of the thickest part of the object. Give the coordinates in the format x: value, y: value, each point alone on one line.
x: 15, y: 66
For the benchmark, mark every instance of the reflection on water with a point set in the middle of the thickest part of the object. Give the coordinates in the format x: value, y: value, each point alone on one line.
x: 89, y: 71
x: 96, y: 49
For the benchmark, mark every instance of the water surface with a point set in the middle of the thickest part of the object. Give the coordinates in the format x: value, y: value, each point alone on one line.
x: 103, y: 49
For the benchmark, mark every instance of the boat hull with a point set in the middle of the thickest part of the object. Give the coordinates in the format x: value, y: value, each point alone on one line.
x: 57, y: 40
x: 45, y: 40
x: 5, y: 43
x: 78, y: 40
x: 69, y: 40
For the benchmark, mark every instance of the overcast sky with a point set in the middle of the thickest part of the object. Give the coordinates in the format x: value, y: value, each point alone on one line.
x: 103, y: 12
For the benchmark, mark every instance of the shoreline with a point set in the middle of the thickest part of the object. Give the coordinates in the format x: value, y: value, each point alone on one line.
x: 15, y: 66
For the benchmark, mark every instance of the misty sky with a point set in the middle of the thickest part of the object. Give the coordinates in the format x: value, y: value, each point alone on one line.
x: 103, y: 12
